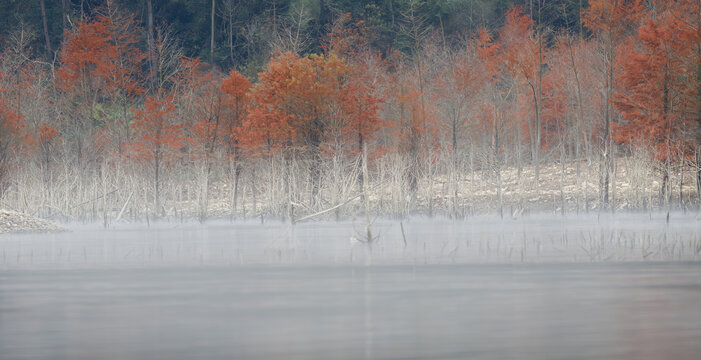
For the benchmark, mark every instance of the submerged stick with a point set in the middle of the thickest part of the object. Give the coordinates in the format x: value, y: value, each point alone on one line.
x: 401, y: 225
x: 94, y: 199
x: 121, y: 212
x: 365, y: 194
x: 322, y: 212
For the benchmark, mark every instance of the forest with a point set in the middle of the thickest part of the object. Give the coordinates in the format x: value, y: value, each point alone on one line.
x: 135, y: 110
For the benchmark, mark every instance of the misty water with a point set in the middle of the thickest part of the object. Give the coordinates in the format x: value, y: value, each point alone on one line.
x: 539, y: 287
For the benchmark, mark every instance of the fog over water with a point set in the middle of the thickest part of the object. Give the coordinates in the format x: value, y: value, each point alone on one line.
x: 539, y: 287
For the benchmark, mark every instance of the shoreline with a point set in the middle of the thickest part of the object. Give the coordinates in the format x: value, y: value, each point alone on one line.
x: 13, y: 222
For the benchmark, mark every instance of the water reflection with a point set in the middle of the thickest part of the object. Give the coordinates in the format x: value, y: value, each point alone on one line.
x: 479, y: 290
x: 480, y: 240
x: 582, y: 311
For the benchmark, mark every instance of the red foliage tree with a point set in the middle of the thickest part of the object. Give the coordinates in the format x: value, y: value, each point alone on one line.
x: 293, y: 101
x: 345, y: 37
x: 659, y: 95
x: 416, y: 133
x: 12, y: 135
x: 524, y: 57
x: 659, y: 80
x: 360, y: 96
x: 360, y: 102
x: 612, y: 18
x: 236, y: 99
x: 475, y: 72
x: 236, y: 88
x: 100, y: 63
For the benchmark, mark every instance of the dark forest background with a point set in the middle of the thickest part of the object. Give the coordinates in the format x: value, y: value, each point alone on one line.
x: 244, y: 29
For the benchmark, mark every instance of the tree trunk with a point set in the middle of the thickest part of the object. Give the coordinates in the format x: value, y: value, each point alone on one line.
x: 413, y: 169
x: 539, y: 99
x: 63, y: 17
x: 275, y: 17
x: 211, y: 42
x: 254, y: 193
x: 288, y: 188
x: 613, y: 182
x: 664, y: 190
x: 497, y: 167
x: 607, y: 122
x: 151, y: 40
x: 204, y: 189
x: 581, y: 29
x: 681, y: 181
x: 237, y: 175
x: 580, y: 112
x: 157, y: 172
x: 698, y: 174
x: 454, y: 167
x: 366, y: 205
x: 391, y: 11
x: 103, y: 175
x: 46, y: 29
x: 363, y: 165
x: 231, y: 35
x: 562, y: 169
x: 315, y: 169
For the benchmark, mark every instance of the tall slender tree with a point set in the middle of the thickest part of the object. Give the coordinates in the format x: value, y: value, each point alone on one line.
x: 610, y: 20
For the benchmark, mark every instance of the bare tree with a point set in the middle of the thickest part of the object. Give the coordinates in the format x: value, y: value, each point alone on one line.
x: 151, y: 45
x: 414, y: 27
x: 293, y: 35
x: 166, y: 57
x: 211, y: 42
x: 227, y: 11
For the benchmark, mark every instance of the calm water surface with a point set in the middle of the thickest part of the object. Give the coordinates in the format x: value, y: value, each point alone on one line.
x: 454, y: 291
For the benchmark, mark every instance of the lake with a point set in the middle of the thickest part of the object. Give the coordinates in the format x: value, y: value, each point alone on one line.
x: 539, y: 287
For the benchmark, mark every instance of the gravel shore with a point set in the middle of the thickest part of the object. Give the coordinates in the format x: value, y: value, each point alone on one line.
x: 11, y: 221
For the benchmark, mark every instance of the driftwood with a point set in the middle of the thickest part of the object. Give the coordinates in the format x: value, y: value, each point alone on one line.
x: 322, y: 212
x: 94, y: 199
x: 401, y: 226
x: 121, y: 212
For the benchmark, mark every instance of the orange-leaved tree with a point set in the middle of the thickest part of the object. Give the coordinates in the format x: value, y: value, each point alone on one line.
x: 525, y: 57
x: 361, y: 99
x: 236, y: 98
x: 345, y: 37
x: 294, y: 106
x: 12, y: 135
x: 236, y: 102
x: 474, y: 70
x: 659, y: 83
x: 416, y: 120
x: 157, y: 136
x: 100, y: 65
x: 490, y: 67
